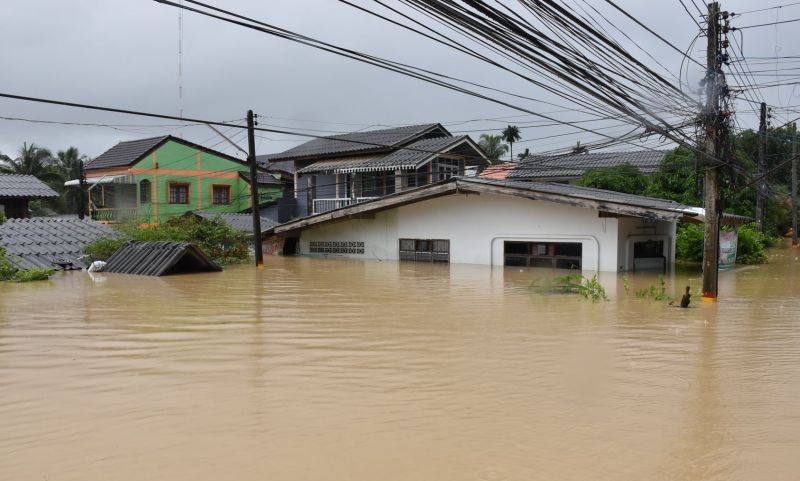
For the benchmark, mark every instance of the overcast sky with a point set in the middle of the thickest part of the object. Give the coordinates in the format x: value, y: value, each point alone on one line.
x: 124, y: 53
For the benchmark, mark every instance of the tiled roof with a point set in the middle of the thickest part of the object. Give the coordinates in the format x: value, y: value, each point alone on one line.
x: 50, y: 242
x: 498, y: 171
x: 265, y: 163
x: 125, y: 153
x: 19, y: 185
x: 574, y: 165
x: 158, y: 258
x: 409, y: 157
x: 240, y: 222
x: 264, y: 178
x: 357, y: 142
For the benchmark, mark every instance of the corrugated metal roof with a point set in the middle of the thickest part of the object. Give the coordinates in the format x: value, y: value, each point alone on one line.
x: 125, y: 153
x: 240, y: 222
x: 265, y: 162
x: 158, y: 258
x: 50, y: 242
x: 264, y: 178
x: 574, y: 165
x: 20, y: 185
x: 357, y: 142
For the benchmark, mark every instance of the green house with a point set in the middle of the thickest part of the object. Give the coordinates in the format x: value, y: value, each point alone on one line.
x: 155, y: 179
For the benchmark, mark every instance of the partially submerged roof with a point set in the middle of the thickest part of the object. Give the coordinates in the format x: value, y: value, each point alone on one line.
x: 50, y: 241
x: 360, y: 142
x: 574, y: 165
x: 409, y: 157
x: 21, y: 186
x: 498, y: 171
x: 597, y: 199
x: 159, y: 258
x: 127, y: 153
x: 239, y: 222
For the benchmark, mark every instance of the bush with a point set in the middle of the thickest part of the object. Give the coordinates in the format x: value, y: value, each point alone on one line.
x: 102, y: 248
x: 10, y: 273
x: 574, y: 283
x: 751, y: 246
x: 689, y: 243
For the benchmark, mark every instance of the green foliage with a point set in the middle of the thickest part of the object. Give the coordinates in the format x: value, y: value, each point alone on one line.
x: 492, y: 146
x: 656, y: 292
x: 751, y: 246
x: 689, y: 242
x: 574, y: 283
x: 10, y: 273
x: 622, y: 178
x: 213, y: 236
x: 102, y: 248
x: 511, y: 134
x: 676, y: 178
x: 2, y: 218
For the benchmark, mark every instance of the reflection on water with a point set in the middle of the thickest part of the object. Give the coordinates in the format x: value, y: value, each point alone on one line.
x: 324, y: 369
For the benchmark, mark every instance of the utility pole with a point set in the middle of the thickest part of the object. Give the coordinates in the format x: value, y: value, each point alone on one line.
x: 713, y: 125
x: 251, y: 159
x: 82, y: 194
x: 762, y: 155
x: 794, y: 184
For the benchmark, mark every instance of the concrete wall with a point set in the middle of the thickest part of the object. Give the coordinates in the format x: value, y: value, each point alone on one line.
x: 477, y: 226
x: 636, y: 230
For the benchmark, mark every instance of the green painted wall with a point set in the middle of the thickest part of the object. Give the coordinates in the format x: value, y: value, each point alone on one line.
x: 198, y: 169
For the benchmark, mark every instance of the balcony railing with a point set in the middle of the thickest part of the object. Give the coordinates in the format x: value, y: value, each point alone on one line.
x: 324, y: 205
x: 114, y: 215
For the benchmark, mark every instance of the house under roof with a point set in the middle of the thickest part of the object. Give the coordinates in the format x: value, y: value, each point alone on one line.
x: 360, y: 143
x: 564, y: 167
x: 127, y: 153
x: 50, y: 242
x: 21, y: 185
x: 159, y: 258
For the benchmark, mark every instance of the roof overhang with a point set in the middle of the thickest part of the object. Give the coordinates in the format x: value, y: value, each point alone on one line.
x: 103, y: 179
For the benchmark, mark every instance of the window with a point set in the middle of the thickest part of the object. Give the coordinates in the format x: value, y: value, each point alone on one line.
x: 178, y: 193
x: 220, y: 194
x: 145, y: 191
x: 446, y: 168
x: 425, y: 250
x: 555, y: 255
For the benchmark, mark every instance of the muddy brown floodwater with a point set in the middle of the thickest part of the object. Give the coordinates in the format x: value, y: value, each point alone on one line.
x: 340, y: 370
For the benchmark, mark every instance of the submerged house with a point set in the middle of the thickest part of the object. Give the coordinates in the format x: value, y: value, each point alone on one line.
x: 500, y: 223
x: 569, y: 168
x: 17, y: 190
x: 342, y: 170
x: 159, y: 178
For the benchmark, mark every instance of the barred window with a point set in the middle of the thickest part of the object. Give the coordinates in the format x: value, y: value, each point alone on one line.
x: 144, y: 191
x: 425, y: 250
x: 178, y: 193
x: 221, y: 194
x: 336, y: 247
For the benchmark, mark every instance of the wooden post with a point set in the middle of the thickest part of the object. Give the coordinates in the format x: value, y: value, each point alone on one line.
x: 251, y: 145
x: 711, y: 194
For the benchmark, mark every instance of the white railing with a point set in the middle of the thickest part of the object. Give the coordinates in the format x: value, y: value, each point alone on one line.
x: 324, y: 205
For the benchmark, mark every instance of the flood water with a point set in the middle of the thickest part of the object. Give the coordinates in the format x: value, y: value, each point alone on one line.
x: 342, y: 370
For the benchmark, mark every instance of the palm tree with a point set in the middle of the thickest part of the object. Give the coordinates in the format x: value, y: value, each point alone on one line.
x: 70, y: 165
x: 32, y: 160
x: 492, y: 146
x: 511, y: 134
x: 524, y: 155
x: 579, y: 149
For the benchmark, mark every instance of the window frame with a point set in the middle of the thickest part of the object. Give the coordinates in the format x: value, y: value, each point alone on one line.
x: 149, y: 196
x: 188, y: 187
x: 424, y: 250
x: 227, y: 187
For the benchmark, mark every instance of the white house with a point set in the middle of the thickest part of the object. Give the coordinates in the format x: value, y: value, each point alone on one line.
x: 498, y: 222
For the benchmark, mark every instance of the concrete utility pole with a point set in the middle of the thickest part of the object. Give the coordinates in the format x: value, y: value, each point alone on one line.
x: 794, y: 184
x: 762, y: 158
x: 82, y: 201
x: 251, y: 159
x: 713, y: 125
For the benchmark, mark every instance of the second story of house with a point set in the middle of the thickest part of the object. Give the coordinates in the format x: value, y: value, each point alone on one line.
x: 340, y: 170
x: 163, y: 177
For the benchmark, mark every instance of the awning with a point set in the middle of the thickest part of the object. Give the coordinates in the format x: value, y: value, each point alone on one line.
x: 105, y: 179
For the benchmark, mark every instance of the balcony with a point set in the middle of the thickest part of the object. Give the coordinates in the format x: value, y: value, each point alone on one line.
x: 113, y: 216
x: 324, y: 205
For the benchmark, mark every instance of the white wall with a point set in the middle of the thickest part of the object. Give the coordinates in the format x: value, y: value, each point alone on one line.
x: 476, y: 226
x: 635, y: 230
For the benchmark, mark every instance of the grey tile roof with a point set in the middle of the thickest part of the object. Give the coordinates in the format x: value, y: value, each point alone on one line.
x: 19, y: 185
x: 265, y: 162
x: 574, y: 165
x: 264, y: 178
x: 240, y: 222
x: 125, y: 153
x: 158, y: 258
x: 50, y: 242
x: 357, y: 142
x: 409, y: 157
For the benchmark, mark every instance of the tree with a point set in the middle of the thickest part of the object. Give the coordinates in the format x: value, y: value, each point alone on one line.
x: 511, y: 134
x: 579, y: 149
x: 492, y: 146
x: 524, y: 155
x: 32, y: 160
x: 621, y: 178
x: 70, y: 166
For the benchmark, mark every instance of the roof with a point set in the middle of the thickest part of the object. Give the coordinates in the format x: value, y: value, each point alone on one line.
x: 597, y: 199
x: 409, y: 157
x: 20, y: 185
x: 240, y: 222
x: 264, y: 178
x: 127, y: 153
x: 158, y: 258
x: 265, y: 162
x: 50, y: 241
x: 574, y: 165
x: 358, y: 142
x: 498, y: 171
